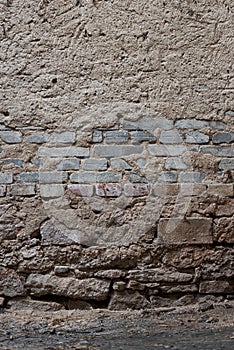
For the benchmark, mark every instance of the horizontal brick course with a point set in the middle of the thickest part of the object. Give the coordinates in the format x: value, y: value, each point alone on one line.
x: 55, y: 152
x: 117, y: 151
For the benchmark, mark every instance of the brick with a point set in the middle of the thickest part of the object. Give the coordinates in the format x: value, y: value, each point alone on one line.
x: 51, y: 191
x: 223, y: 190
x: 216, y: 287
x: 69, y: 164
x: 108, y: 190
x: 197, y: 137
x: 227, y: 164
x: 168, y: 176
x: 218, y: 125
x: 71, y: 151
x: 226, y: 209
x: 142, y: 136
x: 97, y: 136
x: 3, y: 127
x: 185, y: 231
x: 229, y: 113
x: 192, y: 177
x: 37, y: 162
x: 149, y: 124
x: 172, y: 137
x: 166, y: 151
x: 89, y: 177
x: 116, y: 137
x: 2, y: 190
x: 38, y: 138
x: 63, y: 137
x: 175, y: 163
x: 95, y: 164
x: 196, y: 189
x: 136, y: 190
x: 55, y: 177
x: 117, y: 151
x: 23, y: 190
x: 14, y: 161
x: 191, y: 124
x: 28, y: 177
x: 223, y: 137
x: 11, y: 136
x: 118, y: 163
x: 6, y: 178
x: 219, y: 151
x: 135, y: 177
x: 81, y: 190
x: 165, y: 190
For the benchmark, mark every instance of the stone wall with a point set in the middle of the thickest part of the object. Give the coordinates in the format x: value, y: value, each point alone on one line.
x: 116, y: 152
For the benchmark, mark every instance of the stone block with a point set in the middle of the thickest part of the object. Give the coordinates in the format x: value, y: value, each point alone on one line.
x: 171, y: 137
x: 192, y: 177
x: 136, y: 177
x: 97, y: 136
x: 136, y: 190
x: 152, y: 275
x: 117, y: 151
x: 167, y: 176
x: 197, y: 137
x: 149, y: 124
x: 11, y: 284
x: 23, y: 190
x: 38, y: 138
x: 51, y: 191
x: 175, y: 164
x: 225, y: 209
x: 81, y: 190
x: 224, y: 137
x: 166, y: 151
x: 63, y: 137
x: 191, y: 124
x: 216, y: 287
x: 222, y: 190
x: 229, y: 113
x: 128, y: 299
x: 2, y: 190
x: 108, y: 190
x: 71, y: 151
x: 188, y: 189
x: 11, y: 136
x: 13, y: 161
x: 227, y: 164
x: 118, y: 163
x: 52, y: 177
x: 116, y: 137
x: 142, y: 136
x: 92, y: 177
x: 6, y: 178
x: 218, y: 125
x: 224, y: 230
x: 95, y: 164
x: 69, y: 164
x: 219, y: 151
x: 185, y: 231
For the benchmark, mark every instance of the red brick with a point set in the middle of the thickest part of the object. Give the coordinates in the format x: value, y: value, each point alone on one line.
x: 108, y: 190
x: 81, y: 190
x: 136, y: 190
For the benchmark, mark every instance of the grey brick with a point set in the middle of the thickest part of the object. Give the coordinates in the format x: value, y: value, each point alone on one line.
x: 219, y: 151
x: 3, y: 127
x: 2, y: 190
x: 227, y: 164
x: 229, y: 113
x: 28, y: 177
x: 117, y: 151
x: 95, y: 164
x: 38, y: 138
x: 11, y: 136
x: 118, y: 163
x: 23, y: 190
x: 168, y: 176
x: 218, y: 125
x: 141, y: 136
x: 92, y: 177
x: 97, y: 136
x: 116, y: 137
x: 141, y: 162
x: 55, y: 177
x: 14, y: 161
x: 71, y: 151
x: 37, y: 162
x: 149, y: 124
x: 63, y: 137
x: 223, y: 137
x: 166, y: 151
x: 191, y: 124
x: 51, y: 191
x: 192, y: 177
x: 170, y: 137
x: 69, y: 164
x: 197, y: 137
x: 135, y: 177
x: 6, y: 178
x: 175, y: 163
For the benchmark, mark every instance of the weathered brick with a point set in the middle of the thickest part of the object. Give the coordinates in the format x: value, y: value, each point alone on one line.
x: 69, y: 164
x: 166, y: 151
x: 196, y: 189
x: 38, y: 138
x: 225, y: 209
x: 117, y: 151
x: 95, y: 164
x: 63, y: 137
x: 171, y: 136
x: 227, y: 164
x: 225, y: 190
x: 2, y: 190
x: 192, y: 177
x: 28, y: 177
x: 89, y: 177
x: 116, y: 137
x: 51, y: 191
x: 229, y: 113
x: 14, y: 161
x: 164, y: 190
x: 219, y: 151
x: 118, y: 163
x: 71, y: 151
x: 136, y: 190
x: 191, y: 124
x: 23, y: 190
x: 218, y: 125
x: 108, y: 190
x: 55, y: 177
x: 149, y: 124
x: 196, y: 137
x: 168, y: 176
x: 81, y: 190
x: 6, y: 178
x: 185, y: 231
x: 175, y: 163
x: 141, y: 136
x: 216, y: 287
x: 97, y: 136
x: 11, y: 136
x: 223, y: 137
x: 135, y: 177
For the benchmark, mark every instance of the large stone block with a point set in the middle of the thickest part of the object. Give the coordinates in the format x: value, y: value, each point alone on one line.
x: 117, y: 151
x: 172, y: 137
x: 11, y: 136
x: 23, y: 190
x: 116, y: 136
x: 55, y: 152
x: 6, y: 178
x: 92, y: 177
x: 216, y: 287
x: 166, y: 151
x: 219, y: 151
x: 149, y: 124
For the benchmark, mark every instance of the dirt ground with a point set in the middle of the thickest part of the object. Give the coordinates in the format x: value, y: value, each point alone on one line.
x: 206, y: 326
